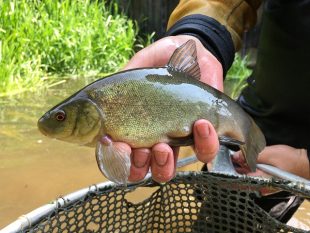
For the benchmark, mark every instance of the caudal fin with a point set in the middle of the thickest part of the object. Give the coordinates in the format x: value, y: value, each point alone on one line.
x: 255, y: 142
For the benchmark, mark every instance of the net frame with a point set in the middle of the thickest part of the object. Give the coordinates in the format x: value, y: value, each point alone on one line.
x: 185, y: 182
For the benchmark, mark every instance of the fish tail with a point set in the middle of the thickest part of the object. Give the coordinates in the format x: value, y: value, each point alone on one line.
x: 255, y: 142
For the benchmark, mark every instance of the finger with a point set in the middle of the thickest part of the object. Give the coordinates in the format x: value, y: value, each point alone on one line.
x: 162, y: 162
x: 242, y: 170
x: 259, y: 173
x: 242, y: 167
x: 238, y: 158
x: 206, y: 141
x: 140, y: 163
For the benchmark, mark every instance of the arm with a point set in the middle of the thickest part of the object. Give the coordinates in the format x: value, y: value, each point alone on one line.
x: 219, y: 25
x: 235, y: 16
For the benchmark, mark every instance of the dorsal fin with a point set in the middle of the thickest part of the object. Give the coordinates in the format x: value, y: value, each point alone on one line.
x: 184, y: 59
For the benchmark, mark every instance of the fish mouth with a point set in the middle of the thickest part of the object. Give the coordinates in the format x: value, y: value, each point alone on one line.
x: 42, y: 127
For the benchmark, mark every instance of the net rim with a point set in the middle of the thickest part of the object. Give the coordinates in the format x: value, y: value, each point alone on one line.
x: 32, y: 218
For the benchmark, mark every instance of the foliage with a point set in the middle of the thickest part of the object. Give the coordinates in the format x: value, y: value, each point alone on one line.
x: 236, y: 77
x: 43, y: 37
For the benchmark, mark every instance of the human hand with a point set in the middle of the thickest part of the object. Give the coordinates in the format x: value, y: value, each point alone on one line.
x: 161, y: 158
x: 284, y: 157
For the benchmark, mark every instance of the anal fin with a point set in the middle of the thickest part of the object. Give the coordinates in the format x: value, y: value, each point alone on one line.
x: 227, y: 141
x: 182, y: 141
x: 231, y: 143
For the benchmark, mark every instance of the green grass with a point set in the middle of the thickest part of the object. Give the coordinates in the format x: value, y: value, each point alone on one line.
x: 236, y: 77
x: 39, y: 39
x: 43, y: 43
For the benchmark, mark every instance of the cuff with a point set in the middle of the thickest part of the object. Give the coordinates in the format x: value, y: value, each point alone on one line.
x: 214, y: 36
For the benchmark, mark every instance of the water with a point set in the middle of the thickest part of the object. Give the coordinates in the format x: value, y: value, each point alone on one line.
x: 34, y: 170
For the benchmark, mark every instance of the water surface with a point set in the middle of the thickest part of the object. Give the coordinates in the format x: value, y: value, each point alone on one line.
x: 35, y: 170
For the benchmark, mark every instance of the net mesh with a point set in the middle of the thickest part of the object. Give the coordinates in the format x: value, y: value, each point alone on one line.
x: 192, y: 202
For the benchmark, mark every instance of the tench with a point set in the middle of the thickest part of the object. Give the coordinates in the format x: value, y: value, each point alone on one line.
x: 146, y: 106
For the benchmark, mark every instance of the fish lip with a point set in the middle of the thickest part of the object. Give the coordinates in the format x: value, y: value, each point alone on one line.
x: 41, y: 126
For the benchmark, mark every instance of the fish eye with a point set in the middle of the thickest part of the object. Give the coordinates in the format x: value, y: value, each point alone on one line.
x: 60, y: 115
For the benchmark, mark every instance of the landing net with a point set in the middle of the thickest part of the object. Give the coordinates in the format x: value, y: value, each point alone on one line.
x: 191, y: 202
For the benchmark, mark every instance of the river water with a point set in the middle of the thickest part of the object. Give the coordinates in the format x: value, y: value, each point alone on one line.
x: 35, y: 170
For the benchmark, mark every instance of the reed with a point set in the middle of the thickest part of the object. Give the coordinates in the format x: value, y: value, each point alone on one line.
x: 236, y: 76
x: 41, y: 38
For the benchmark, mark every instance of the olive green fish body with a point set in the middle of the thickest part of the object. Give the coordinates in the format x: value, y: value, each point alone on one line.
x: 145, y: 106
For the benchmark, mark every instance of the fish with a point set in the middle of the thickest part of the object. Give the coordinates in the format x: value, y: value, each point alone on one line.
x: 146, y: 106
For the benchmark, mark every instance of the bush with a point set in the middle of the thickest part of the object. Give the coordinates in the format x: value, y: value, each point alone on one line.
x: 39, y: 38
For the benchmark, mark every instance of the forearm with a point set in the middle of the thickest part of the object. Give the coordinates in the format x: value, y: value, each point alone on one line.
x: 236, y: 16
x: 218, y: 24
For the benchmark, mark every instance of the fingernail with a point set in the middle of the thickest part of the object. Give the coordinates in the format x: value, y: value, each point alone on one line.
x: 140, y: 159
x: 106, y: 140
x: 161, y: 158
x: 236, y: 156
x: 203, y: 130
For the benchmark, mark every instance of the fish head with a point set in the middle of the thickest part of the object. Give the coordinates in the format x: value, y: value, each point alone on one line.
x: 77, y: 120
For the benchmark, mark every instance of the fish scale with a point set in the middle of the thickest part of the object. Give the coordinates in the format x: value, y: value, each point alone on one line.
x: 138, y: 111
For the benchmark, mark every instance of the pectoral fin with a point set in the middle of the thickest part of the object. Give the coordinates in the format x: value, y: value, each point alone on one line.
x: 113, y: 161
